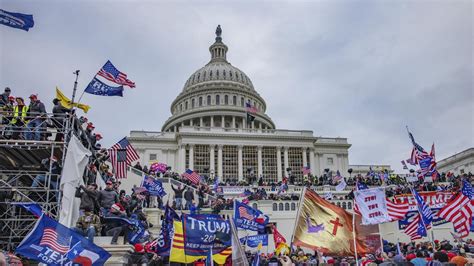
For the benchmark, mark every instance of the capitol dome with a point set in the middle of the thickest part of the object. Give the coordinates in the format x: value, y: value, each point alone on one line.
x: 216, y: 95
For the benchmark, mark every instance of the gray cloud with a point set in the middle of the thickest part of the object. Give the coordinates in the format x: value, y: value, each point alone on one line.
x: 356, y: 69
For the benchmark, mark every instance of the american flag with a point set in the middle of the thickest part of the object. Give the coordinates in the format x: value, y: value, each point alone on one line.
x: 121, y: 155
x: 415, y: 229
x: 459, y: 210
x: 109, y: 72
x: 337, y: 177
x: 417, y: 153
x: 51, y: 239
x: 250, y: 109
x: 192, y: 176
x: 244, y: 213
x: 397, y: 211
x: 423, y: 208
x: 306, y: 170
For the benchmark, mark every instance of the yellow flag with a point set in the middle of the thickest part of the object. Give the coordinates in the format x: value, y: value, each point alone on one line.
x: 177, y: 248
x: 325, y: 226
x: 65, y: 102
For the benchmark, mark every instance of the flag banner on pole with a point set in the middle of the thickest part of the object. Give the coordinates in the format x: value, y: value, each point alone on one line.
x: 246, y: 217
x: 205, y: 231
x: 163, y: 244
x: 177, y: 249
x: 66, y: 102
x: 34, y: 208
x: 109, y: 72
x: 327, y: 227
x: 341, y: 186
x: 255, y: 240
x: 192, y: 176
x: 122, y: 154
x: 16, y: 20
x: 250, y: 109
x: 238, y: 253
x: 97, y: 87
x: 459, y: 210
x: 372, y: 205
x: 137, y: 234
x: 153, y: 186
x: 54, y: 244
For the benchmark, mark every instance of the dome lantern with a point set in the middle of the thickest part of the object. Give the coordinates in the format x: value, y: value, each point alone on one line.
x: 218, y: 49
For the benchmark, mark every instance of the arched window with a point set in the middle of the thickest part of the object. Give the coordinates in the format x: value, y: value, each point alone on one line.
x: 186, y: 105
x: 338, y: 204
x: 237, y: 76
x: 293, y: 206
x: 349, y: 205
x: 275, y: 206
x: 254, y: 205
x: 204, y: 76
x: 242, y: 101
x: 280, y: 207
x: 287, y: 206
x: 217, y: 73
x: 200, y: 101
x: 230, y: 74
x: 218, y: 99
x: 234, y: 99
x: 199, y: 77
x: 210, y: 74
x: 226, y: 99
x: 193, y: 102
x: 180, y: 107
x: 208, y: 100
x: 223, y: 73
x: 344, y: 205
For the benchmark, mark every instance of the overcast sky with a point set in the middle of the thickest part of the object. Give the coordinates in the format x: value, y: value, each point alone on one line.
x: 355, y: 69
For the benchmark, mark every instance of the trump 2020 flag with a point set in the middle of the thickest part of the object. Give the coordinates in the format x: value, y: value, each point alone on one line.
x: 54, y: 244
x: 246, y: 217
x: 16, y: 20
x: 98, y: 87
x: 153, y: 186
x: 372, y: 205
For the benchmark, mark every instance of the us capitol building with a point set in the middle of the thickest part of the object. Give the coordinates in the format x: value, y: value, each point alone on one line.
x: 208, y: 131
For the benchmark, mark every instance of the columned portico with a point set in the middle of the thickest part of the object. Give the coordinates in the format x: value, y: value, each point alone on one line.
x: 279, y: 172
x: 305, y: 161
x: 285, y: 160
x: 259, y: 162
x: 219, y: 161
x: 311, y: 161
x: 212, y: 166
x: 191, y: 156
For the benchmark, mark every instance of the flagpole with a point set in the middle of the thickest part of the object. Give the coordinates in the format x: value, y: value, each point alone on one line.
x: 303, y: 192
x: 354, y: 234
x: 75, y: 87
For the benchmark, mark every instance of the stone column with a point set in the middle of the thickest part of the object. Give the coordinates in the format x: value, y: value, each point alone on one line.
x: 201, y: 122
x: 191, y: 123
x: 174, y: 128
x: 191, y: 156
x: 244, y: 122
x: 285, y: 159
x: 233, y: 121
x: 259, y: 161
x: 219, y: 161
x: 212, y: 121
x: 260, y: 125
x: 240, y: 163
x: 311, y: 161
x: 223, y: 122
x: 253, y: 124
x: 212, y: 167
x: 182, y: 158
x: 279, y: 171
x: 305, y: 161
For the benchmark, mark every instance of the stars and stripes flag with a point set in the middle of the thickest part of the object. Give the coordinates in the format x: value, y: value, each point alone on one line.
x: 417, y: 153
x: 415, y: 229
x: 459, y: 210
x: 121, y: 155
x: 109, y: 72
x: 244, y: 213
x: 423, y: 209
x: 306, y: 170
x: 337, y: 177
x: 397, y: 211
x: 192, y: 176
x: 250, y: 108
x: 51, y: 239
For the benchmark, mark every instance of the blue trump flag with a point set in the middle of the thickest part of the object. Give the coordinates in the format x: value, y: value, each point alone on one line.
x: 205, y: 231
x: 138, y: 233
x: 163, y: 245
x: 16, y: 20
x: 153, y: 186
x: 253, y: 241
x: 97, y: 87
x: 34, y: 208
x: 245, y: 217
x: 54, y: 244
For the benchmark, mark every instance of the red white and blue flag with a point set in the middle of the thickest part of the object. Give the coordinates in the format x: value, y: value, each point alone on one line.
x: 459, y: 210
x: 306, y: 170
x: 122, y: 154
x: 250, y: 108
x: 192, y: 176
x: 109, y: 72
x: 56, y: 242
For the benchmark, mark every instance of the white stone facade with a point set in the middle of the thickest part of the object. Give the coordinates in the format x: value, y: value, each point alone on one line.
x: 209, y: 131
x: 458, y: 164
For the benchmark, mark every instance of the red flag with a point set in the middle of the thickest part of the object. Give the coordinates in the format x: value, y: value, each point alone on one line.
x: 277, y: 237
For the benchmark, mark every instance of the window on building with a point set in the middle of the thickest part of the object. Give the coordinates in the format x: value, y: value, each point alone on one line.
x: 344, y: 205
x: 180, y: 107
x: 230, y: 167
x: 208, y: 100
x: 192, y: 103
x: 287, y: 206
x: 293, y: 206
x: 186, y: 105
x: 280, y: 207
x: 295, y: 162
x: 275, y: 205
x: 226, y: 99
x: 218, y: 99
x: 200, y: 101
x: 255, y: 206
x: 349, y: 205
x: 330, y: 161
x: 234, y: 99
x: 152, y: 156
x: 242, y: 101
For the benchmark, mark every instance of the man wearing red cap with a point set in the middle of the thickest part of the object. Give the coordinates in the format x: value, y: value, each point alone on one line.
x: 37, y: 114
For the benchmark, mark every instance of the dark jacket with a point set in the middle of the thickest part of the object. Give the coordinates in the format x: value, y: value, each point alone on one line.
x: 107, y: 198
x: 178, y: 193
x: 36, y: 108
x: 88, y: 197
x: 189, y: 195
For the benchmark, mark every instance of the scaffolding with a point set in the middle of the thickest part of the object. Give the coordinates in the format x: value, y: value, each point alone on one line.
x: 26, y: 169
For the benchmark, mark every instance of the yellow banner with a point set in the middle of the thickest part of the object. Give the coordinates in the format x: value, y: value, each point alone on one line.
x: 66, y: 102
x: 324, y: 226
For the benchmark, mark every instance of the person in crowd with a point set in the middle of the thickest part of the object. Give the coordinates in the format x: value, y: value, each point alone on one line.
x: 107, y: 197
x: 37, y: 115
x: 88, y: 197
x: 19, y: 119
x: 56, y: 169
x: 201, y: 192
x: 189, y: 197
x: 88, y: 224
x: 138, y: 257
x: 114, y: 226
x: 4, y: 97
x: 59, y: 118
x: 138, y: 166
x: 460, y: 258
x: 419, y: 259
x: 178, y: 196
